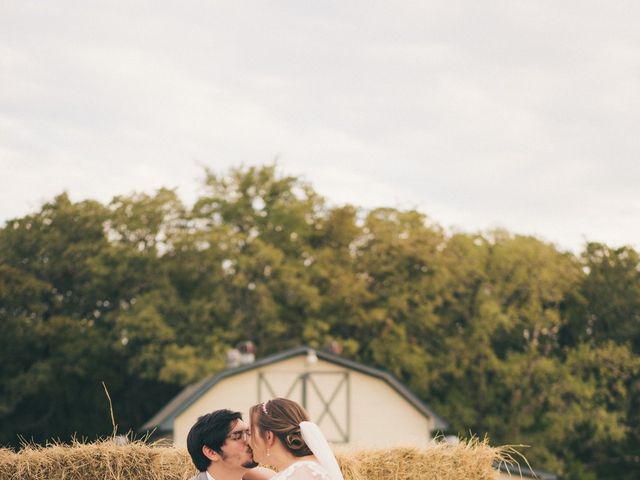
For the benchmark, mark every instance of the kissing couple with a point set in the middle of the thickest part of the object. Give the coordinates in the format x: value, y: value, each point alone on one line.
x: 280, y: 435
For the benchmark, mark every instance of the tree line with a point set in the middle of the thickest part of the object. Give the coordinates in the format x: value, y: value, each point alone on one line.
x: 499, y: 333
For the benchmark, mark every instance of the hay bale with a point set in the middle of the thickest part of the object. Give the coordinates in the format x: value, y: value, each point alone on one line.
x: 7, y: 463
x: 103, y: 460
x: 106, y: 460
x: 349, y: 466
x: 471, y: 459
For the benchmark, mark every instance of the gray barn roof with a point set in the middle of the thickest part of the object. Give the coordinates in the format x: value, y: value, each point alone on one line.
x: 523, y: 471
x: 163, y: 420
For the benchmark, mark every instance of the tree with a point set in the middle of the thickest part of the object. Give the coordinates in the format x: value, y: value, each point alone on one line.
x: 57, y: 345
x: 610, y: 297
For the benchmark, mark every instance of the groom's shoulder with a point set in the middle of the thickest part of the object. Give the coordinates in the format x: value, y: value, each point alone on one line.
x: 200, y: 476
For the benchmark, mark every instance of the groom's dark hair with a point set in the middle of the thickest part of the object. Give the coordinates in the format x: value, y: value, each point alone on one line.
x: 210, y: 430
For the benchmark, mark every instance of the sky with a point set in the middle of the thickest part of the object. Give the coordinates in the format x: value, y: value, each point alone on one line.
x: 512, y: 114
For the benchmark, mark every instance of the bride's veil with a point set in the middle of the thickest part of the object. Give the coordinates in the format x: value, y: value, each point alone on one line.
x: 317, y: 443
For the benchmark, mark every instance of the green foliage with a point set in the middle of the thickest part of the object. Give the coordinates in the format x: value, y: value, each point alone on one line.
x: 611, y: 289
x: 499, y: 333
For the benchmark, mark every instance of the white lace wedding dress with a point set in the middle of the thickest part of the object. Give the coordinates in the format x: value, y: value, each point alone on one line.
x: 303, y: 470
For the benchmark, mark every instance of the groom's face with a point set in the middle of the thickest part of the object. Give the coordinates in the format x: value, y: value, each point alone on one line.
x: 236, y: 450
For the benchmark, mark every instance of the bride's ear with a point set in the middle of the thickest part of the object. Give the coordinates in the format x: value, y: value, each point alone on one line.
x: 271, y: 438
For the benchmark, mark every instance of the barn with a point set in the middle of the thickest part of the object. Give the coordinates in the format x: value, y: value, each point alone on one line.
x: 354, y: 404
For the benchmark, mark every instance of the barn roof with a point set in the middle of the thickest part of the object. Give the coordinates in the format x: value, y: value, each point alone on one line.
x: 163, y: 420
x: 524, y: 471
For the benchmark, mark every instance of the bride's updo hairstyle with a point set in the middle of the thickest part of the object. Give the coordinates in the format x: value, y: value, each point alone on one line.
x: 282, y: 417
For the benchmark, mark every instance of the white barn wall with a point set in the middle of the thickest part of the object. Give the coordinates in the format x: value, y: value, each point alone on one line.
x: 381, y: 417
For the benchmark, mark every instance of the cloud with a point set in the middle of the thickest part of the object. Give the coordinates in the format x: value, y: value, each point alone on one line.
x: 516, y: 114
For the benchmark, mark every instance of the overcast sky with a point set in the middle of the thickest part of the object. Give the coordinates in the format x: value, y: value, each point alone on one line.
x: 518, y: 114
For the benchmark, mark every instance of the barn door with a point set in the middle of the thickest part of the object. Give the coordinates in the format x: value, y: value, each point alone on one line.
x: 325, y: 395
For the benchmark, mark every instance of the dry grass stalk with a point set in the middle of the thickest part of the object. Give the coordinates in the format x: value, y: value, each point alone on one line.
x: 106, y: 460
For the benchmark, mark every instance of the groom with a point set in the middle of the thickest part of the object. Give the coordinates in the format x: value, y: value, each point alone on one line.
x: 219, y: 447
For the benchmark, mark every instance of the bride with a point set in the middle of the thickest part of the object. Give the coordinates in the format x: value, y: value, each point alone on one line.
x: 283, y: 437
